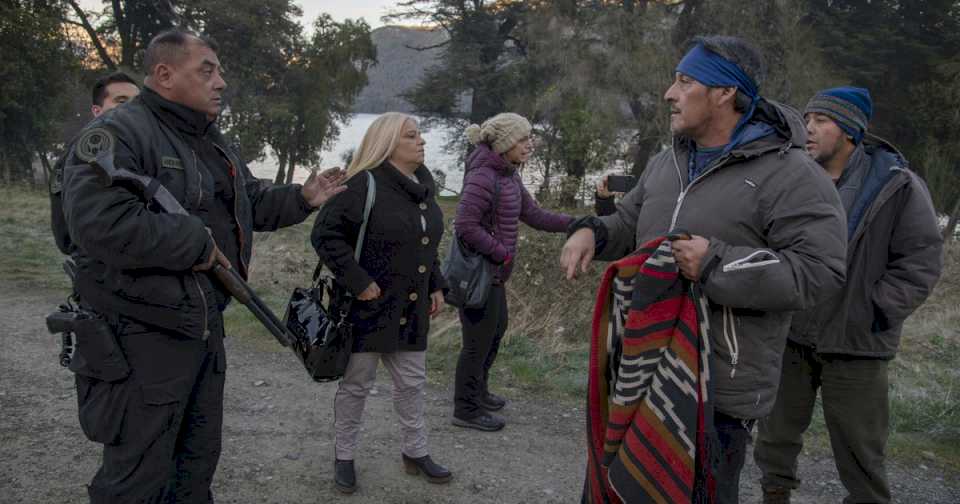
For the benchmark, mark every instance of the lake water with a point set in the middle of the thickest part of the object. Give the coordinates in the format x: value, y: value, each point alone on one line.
x: 350, y: 136
x: 436, y: 158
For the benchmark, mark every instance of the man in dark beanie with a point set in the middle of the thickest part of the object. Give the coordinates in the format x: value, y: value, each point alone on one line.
x: 766, y: 238
x: 843, y: 346
x: 850, y: 107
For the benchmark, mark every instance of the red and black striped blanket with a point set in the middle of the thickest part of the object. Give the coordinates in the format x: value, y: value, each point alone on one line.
x: 649, y: 415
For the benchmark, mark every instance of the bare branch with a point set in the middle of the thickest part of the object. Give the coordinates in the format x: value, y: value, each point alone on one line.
x: 92, y: 33
x: 427, y: 48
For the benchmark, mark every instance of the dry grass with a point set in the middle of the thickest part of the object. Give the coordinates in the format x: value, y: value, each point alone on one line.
x: 28, y: 254
x: 546, y: 347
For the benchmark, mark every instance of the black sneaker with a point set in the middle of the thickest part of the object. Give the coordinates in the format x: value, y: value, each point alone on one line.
x: 492, y: 402
x: 484, y: 422
x: 344, y: 477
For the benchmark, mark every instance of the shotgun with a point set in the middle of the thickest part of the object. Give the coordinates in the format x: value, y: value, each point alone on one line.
x: 154, y: 191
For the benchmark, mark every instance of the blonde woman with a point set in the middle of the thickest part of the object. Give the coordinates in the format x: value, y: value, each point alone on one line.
x: 397, y: 284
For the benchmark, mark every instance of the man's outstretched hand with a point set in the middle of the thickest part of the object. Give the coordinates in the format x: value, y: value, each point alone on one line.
x: 577, y: 251
x: 322, y: 186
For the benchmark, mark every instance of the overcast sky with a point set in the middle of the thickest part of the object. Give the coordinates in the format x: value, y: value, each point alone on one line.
x: 370, y: 10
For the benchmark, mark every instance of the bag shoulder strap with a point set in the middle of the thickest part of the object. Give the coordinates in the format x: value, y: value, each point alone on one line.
x: 371, y: 198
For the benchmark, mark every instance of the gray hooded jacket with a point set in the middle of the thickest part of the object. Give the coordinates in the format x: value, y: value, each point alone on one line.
x: 894, y: 258
x: 777, y: 245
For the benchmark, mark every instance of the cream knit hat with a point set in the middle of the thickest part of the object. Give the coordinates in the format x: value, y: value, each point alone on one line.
x: 501, y: 131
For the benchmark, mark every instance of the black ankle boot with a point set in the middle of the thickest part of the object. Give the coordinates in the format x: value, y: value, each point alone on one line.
x: 434, y: 472
x: 344, y: 476
x: 492, y: 402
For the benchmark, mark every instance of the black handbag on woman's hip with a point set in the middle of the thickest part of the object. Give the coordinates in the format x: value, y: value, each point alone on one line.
x: 322, y: 335
x: 469, y: 274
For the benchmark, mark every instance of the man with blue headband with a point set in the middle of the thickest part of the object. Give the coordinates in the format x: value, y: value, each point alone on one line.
x: 844, y: 345
x: 767, y: 235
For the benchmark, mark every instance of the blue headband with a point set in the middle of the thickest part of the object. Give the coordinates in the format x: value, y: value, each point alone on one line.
x: 713, y: 70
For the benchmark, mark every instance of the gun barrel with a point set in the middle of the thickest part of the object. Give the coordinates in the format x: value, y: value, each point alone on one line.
x: 243, y: 293
x: 264, y: 316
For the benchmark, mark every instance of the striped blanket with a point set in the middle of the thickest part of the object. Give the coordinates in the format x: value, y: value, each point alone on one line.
x: 649, y: 417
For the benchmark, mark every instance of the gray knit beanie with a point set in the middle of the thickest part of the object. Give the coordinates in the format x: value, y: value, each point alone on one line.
x: 501, y: 131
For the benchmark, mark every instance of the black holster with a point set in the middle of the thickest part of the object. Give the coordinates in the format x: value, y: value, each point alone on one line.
x: 95, y: 352
x: 98, y: 355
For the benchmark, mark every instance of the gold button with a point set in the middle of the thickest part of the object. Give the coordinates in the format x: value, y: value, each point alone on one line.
x: 423, y: 206
x: 403, y: 320
x: 422, y: 269
x: 413, y: 296
x: 425, y: 240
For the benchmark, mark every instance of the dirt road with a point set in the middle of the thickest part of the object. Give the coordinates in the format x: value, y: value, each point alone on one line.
x: 278, y: 437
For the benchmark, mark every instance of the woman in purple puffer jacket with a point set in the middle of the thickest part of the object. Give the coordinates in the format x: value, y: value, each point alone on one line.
x: 491, y: 227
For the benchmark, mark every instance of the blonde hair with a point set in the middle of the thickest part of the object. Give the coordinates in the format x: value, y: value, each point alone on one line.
x: 378, y: 142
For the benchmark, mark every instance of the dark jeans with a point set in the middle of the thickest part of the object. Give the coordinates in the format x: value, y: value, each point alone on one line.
x: 856, y: 410
x: 483, y: 328
x: 734, y: 435
x: 166, y: 448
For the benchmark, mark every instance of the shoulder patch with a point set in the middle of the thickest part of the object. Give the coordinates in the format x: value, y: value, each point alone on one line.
x: 94, y: 141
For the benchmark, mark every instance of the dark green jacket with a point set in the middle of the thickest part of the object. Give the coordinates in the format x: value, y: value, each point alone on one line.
x: 777, y: 245
x: 894, y: 259
x: 136, y: 260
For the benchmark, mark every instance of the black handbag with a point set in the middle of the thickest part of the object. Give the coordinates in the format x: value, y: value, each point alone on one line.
x: 469, y: 274
x: 322, y: 335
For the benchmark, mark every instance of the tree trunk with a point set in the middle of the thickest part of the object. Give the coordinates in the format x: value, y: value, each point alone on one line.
x: 950, y: 230
x: 544, y: 192
x: 5, y: 169
x: 47, y: 169
x: 291, y: 168
x: 645, y: 147
x: 125, y: 31
x: 281, y: 168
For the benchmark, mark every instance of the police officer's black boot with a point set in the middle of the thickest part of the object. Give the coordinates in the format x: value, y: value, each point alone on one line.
x: 492, y: 402
x: 434, y: 472
x: 344, y: 476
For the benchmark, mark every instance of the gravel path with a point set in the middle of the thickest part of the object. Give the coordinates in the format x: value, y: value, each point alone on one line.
x: 278, y: 437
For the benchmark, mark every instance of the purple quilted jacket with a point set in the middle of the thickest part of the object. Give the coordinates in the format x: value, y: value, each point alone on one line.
x: 495, y: 236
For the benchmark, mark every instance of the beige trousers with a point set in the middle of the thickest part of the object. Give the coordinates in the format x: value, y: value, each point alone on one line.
x: 409, y: 373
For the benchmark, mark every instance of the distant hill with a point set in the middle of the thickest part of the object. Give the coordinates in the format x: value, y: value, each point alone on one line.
x: 399, y: 68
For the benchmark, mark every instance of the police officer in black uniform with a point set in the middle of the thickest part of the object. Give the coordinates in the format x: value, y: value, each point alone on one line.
x: 147, y: 272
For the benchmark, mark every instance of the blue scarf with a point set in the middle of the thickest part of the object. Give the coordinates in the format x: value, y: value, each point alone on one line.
x: 713, y: 70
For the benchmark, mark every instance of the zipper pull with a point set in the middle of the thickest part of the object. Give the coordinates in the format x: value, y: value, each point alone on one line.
x: 783, y: 151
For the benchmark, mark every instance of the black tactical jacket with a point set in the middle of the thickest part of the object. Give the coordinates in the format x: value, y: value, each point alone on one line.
x: 134, y: 259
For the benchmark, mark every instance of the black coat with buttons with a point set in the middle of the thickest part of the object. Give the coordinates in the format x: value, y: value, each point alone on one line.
x: 399, y: 253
